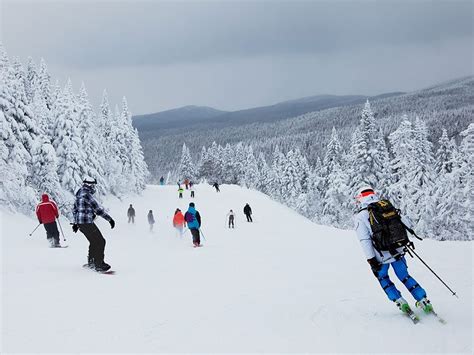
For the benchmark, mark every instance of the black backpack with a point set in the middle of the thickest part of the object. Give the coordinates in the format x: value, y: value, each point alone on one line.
x: 388, y: 230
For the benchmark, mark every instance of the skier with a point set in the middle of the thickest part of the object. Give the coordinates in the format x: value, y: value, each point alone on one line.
x: 231, y: 217
x: 381, y: 260
x: 193, y: 219
x: 151, y: 220
x: 131, y: 214
x: 191, y: 186
x: 162, y: 181
x: 85, y: 210
x: 47, y: 212
x: 186, y: 183
x: 216, y: 186
x: 180, y: 192
x: 248, y: 213
x: 178, y: 222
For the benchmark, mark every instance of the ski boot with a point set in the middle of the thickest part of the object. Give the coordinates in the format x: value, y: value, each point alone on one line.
x: 425, y: 305
x: 90, y: 263
x: 403, y: 305
x: 102, y: 267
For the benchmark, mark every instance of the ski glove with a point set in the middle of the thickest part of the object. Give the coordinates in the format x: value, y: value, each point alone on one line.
x: 75, y: 228
x: 375, y: 266
x: 112, y: 224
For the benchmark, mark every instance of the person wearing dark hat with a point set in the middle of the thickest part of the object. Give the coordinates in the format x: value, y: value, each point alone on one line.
x: 193, y: 219
x: 85, y: 210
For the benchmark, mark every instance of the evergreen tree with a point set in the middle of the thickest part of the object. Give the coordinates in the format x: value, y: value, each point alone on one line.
x: 444, y: 154
x: 31, y: 81
x: 251, y: 172
x: 186, y: 168
x: 44, y: 84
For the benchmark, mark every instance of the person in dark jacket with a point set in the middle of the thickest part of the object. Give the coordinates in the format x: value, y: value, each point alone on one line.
x: 47, y: 212
x: 193, y: 219
x: 216, y: 186
x: 131, y: 214
x: 85, y: 210
x: 248, y: 213
x: 151, y: 220
x: 162, y: 181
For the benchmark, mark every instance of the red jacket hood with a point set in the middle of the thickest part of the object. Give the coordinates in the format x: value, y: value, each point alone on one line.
x: 44, y: 198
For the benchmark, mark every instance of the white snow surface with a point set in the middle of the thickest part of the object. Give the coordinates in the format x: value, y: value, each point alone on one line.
x: 280, y: 284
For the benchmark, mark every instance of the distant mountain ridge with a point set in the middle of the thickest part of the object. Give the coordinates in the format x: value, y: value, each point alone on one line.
x: 448, y: 105
x: 192, y: 115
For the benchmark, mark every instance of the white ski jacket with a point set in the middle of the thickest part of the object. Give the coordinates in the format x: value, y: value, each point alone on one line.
x: 364, y: 232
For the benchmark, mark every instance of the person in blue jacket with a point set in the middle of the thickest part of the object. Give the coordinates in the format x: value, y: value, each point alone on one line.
x: 193, y: 220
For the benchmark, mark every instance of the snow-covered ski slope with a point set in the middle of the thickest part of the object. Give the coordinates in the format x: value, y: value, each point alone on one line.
x: 280, y: 284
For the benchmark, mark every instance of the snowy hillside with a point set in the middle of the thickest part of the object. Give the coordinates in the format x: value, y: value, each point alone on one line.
x: 280, y: 284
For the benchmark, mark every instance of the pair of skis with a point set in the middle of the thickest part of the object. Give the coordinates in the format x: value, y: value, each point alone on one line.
x: 415, y: 319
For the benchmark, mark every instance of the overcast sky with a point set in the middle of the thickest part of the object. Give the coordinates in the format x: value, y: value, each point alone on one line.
x: 239, y: 54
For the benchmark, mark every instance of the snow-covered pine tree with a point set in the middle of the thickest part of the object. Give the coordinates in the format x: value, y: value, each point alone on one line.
x: 444, y: 154
x: 251, y: 173
x: 67, y: 141
x: 367, y: 155
x: 402, y: 142
x: 88, y: 131
x: 44, y: 84
x: 31, y: 81
x: 186, y: 169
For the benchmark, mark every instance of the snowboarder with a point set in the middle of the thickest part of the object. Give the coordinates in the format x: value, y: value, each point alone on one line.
x: 162, y: 181
x: 131, y: 214
x: 180, y: 192
x: 216, y: 186
x: 231, y: 217
x: 85, y: 210
x: 193, y: 219
x: 248, y: 213
x: 47, y: 212
x: 381, y: 260
x: 151, y: 220
x: 192, y: 190
x: 186, y: 183
x: 178, y: 222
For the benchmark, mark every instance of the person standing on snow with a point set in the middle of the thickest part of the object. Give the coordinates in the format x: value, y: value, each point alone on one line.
x: 248, y: 213
x: 230, y: 217
x: 180, y: 192
x: 216, y: 186
x: 151, y: 220
x: 193, y: 219
x: 162, y: 181
x: 178, y: 222
x: 381, y: 260
x: 131, y: 214
x: 47, y: 212
x: 191, y: 187
x: 186, y: 183
x: 85, y: 210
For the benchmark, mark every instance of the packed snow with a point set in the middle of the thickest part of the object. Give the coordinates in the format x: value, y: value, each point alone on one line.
x: 280, y: 284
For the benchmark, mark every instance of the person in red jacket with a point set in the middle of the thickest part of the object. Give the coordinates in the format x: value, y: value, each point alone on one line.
x: 47, y: 212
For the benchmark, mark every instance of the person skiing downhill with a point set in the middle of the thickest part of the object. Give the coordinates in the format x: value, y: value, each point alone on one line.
x: 84, y: 212
x: 193, y: 219
x: 47, y: 212
x: 131, y: 214
x: 381, y: 260
x: 191, y: 187
x: 178, y: 222
x: 216, y: 186
x: 248, y: 212
x: 180, y: 192
x: 162, y: 181
x: 151, y: 220
x: 231, y: 217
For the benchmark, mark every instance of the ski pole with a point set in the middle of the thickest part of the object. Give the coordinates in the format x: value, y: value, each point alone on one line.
x: 439, y: 278
x: 34, y: 229
x: 203, y: 237
x: 61, y: 228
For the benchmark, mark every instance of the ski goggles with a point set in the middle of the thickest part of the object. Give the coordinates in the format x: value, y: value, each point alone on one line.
x: 364, y: 193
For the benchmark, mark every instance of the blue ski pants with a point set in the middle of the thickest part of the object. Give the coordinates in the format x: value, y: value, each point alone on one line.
x: 401, y: 270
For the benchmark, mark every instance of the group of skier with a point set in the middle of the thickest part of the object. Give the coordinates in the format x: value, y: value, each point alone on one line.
x: 189, y: 186
x: 381, y: 230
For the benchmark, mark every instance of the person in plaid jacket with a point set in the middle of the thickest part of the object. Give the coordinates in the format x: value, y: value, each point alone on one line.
x: 85, y: 210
